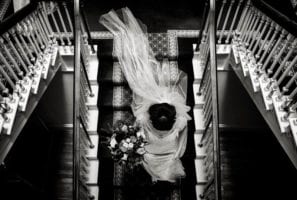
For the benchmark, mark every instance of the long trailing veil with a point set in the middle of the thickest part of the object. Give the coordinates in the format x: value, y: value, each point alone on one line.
x: 151, y: 83
x: 148, y: 78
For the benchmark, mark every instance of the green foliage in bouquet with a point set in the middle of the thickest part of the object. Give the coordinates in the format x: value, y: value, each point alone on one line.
x: 127, y: 143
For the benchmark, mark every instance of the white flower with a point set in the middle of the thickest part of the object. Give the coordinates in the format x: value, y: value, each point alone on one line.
x: 140, y: 151
x: 113, y: 142
x: 128, y: 140
x: 140, y: 133
x: 125, y: 156
x: 125, y: 144
x: 124, y: 128
x: 130, y: 146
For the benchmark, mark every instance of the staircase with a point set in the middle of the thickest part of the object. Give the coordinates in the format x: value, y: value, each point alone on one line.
x: 263, y: 56
x: 114, y: 104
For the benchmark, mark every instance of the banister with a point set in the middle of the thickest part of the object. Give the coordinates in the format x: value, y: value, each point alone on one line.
x: 87, y: 78
x: 12, y: 20
x: 204, y: 21
x: 84, y: 19
x: 76, y: 103
x: 214, y: 91
x: 277, y: 16
x: 3, y: 8
x: 86, y: 132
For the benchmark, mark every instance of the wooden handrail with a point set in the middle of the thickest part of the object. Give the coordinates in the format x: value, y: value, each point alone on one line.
x: 76, y: 102
x: 12, y: 20
x: 3, y: 8
x: 214, y: 90
x: 286, y: 22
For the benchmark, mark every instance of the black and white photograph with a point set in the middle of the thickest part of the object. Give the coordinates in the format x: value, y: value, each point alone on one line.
x: 148, y: 100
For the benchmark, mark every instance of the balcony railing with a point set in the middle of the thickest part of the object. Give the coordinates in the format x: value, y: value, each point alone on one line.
x: 263, y: 48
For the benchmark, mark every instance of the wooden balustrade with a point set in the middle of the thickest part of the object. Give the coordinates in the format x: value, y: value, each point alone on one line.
x: 267, y: 53
x: 31, y: 45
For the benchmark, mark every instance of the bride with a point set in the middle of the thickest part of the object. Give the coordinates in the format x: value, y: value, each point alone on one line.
x: 159, y: 104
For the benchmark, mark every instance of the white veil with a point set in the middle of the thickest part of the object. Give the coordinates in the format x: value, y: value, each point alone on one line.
x: 148, y: 78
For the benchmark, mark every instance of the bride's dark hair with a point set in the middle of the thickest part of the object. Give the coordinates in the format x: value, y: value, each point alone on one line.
x: 162, y: 116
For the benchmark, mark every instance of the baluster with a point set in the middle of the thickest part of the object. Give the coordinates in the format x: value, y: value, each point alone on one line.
x: 245, y: 15
x: 83, y: 29
x: 276, y: 31
x: 5, y: 75
x: 221, y: 12
x: 251, y: 28
x: 282, y: 65
x: 63, y: 25
x: 206, y: 98
x: 57, y: 28
x: 282, y: 35
x: 286, y: 72
x: 233, y: 21
x: 261, y: 35
x: 15, y: 38
x: 43, y: 24
x: 45, y: 18
x: 21, y: 31
x: 294, y: 107
x: 31, y: 35
x: 16, y: 53
x: 202, y: 44
x: 293, y: 94
x: 37, y: 33
x: 207, y: 106
x: 68, y: 16
x: 43, y: 36
x: 270, y: 70
x: 289, y: 84
x: 27, y: 34
x: 265, y: 40
x: 255, y: 34
x: 10, y: 57
x: 226, y: 20
x: 2, y: 87
x: 250, y: 15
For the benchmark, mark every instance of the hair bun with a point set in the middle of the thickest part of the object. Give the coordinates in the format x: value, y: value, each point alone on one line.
x: 162, y: 116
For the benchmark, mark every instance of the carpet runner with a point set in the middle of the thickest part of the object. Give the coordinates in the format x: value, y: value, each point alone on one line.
x: 114, y: 101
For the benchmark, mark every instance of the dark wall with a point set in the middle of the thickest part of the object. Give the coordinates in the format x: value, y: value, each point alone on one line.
x: 236, y: 108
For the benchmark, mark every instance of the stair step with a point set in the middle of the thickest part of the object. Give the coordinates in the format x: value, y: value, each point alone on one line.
x: 200, y: 151
x: 93, y: 116
x: 199, y: 191
x: 93, y: 153
x: 110, y: 72
x: 93, y: 172
x: 93, y: 100
x: 200, y: 174
x: 94, y: 192
x: 199, y: 119
x: 199, y: 99
x: 117, y: 97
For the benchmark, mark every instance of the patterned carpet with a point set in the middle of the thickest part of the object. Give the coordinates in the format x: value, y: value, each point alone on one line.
x: 114, y: 104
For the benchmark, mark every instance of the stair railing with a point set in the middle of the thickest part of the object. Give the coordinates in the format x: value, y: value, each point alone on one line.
x: 3, y: 8
x: 28, y: 62
x: 266, y: 49
x: 82, y: 142
x: 208, y: 90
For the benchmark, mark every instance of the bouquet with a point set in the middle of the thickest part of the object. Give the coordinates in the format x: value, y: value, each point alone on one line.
x: 127, y: 144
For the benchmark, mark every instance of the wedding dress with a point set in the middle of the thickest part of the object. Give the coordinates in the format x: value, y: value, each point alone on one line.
x: 151, y: 84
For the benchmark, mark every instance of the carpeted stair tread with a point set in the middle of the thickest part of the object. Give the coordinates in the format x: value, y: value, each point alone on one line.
x: 117, y: 97
x: 110, y: 72
x: 158, y: 43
